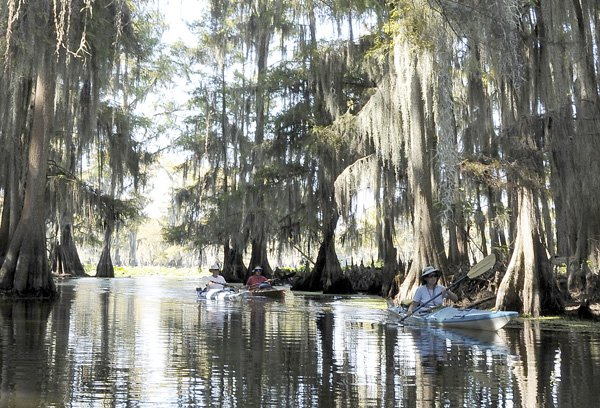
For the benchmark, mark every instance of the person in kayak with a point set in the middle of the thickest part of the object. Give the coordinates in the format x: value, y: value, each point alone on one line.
x: 257, y: 280
x: 216, y: 281
x: 428, y: 290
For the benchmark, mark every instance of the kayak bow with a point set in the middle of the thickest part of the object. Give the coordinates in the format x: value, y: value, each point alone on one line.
x: 451, y: 317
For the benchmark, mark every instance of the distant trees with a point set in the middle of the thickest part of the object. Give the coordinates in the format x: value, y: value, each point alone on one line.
x: 264, y: 172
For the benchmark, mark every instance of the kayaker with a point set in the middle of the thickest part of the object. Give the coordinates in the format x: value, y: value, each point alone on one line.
x: 216, y: 281
x: 428, y: 290
x: 257, y: 280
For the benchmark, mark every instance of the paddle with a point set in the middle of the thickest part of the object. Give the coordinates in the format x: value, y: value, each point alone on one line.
x: 226, y: 285
x: 479, y: 269
x: 281, y: 280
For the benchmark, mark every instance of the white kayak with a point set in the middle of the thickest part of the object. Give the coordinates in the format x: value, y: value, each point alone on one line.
x: 451, y: 317
x: 219, y: 294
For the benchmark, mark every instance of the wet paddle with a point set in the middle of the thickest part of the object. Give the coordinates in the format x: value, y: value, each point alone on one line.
x: 479, y: 269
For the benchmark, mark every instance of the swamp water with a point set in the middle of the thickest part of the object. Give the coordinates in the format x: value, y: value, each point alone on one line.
x: 148, y: 342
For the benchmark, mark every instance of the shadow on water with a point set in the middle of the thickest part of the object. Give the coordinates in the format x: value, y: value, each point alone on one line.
x: 149, y: 342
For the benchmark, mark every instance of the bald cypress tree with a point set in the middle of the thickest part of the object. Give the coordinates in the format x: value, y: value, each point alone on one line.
x: 49, y: 43
x: 25, y: 270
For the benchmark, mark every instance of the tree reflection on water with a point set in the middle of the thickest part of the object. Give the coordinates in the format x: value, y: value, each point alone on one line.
x: 149, y: 342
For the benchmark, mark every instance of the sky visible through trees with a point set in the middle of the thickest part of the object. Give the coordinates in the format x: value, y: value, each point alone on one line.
x: 177, y: 15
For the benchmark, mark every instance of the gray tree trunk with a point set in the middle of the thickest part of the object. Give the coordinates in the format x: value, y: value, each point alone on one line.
x: 26, y: 270
x: 528, y: 285
x: 66, y: 259
x: 105, y: 268
x: 428, y: 247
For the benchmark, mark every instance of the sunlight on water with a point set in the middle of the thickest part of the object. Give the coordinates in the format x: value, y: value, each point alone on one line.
x: 151, y: 343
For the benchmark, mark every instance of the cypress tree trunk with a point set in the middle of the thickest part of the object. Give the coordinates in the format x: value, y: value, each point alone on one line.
x: 13, y: 189
x: 497, y: 236
x: 428, y: 248
x: 385, y: 226
x: 133, y: 261
x: 390, y: 259
x: 259, y: 256
x: 67, y: 260
x: 457, y: 238
x: 234, y: 269
x: 480, y: 223
x: 327, y: 273
x: 528, y: 285
x: 5, y: 223
x: 26, y: 270
x: 105, y: 268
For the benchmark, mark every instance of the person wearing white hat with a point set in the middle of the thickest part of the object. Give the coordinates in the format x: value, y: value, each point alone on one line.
x: 216, y: 281
x: 430, y: 292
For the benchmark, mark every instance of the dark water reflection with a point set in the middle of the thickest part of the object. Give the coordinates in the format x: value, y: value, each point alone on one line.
x: 148, y: 342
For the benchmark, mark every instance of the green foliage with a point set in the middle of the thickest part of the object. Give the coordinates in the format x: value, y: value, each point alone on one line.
x: 329, y: 137
x: 146, y: 271
x: 176, y: 234
x: 408, y: 20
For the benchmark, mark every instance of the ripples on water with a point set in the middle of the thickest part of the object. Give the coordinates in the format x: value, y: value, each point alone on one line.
x: 149, y: 343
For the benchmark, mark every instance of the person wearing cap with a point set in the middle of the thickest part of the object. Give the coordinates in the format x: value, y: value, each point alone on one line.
x: 216, y: 281
x: 257, y: 280
x: 430, y: 289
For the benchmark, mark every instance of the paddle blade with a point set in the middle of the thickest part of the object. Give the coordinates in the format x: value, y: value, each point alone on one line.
x: 482, y: 266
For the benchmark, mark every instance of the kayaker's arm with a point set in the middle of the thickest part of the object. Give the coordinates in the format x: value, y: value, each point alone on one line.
x: 448, y: 294
x: 253, y: 286
x: 411, y: 308
x: 445, y: 293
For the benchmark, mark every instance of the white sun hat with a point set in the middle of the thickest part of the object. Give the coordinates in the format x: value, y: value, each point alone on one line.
x: 428, y: 270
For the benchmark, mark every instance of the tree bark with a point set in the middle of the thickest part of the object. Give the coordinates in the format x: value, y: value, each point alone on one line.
x: 133, y: 261
x: 327, y: 273
x: 105, y: 268
x: 390, y: 260
x: 428, y: 247
x: 458, y: 243
x: 387, y: 252
x: 26, y: 271
x: 234, y: 269
x: 259, y: 256
x: 528, y: 285
x: 5, y: 230
x: 13, y: 188
x: 67, y: 260
x: 480, y: 223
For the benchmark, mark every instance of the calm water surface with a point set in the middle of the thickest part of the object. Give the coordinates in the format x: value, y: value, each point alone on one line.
x: 148, y: 342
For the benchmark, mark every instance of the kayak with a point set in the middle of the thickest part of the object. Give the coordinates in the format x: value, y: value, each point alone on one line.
x: 231, y: 294
x: 271, y: 292
x: 219, y: 294
x: 451, y: 317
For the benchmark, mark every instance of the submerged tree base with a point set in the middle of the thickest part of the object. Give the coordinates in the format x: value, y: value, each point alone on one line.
x: 41, y: 295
